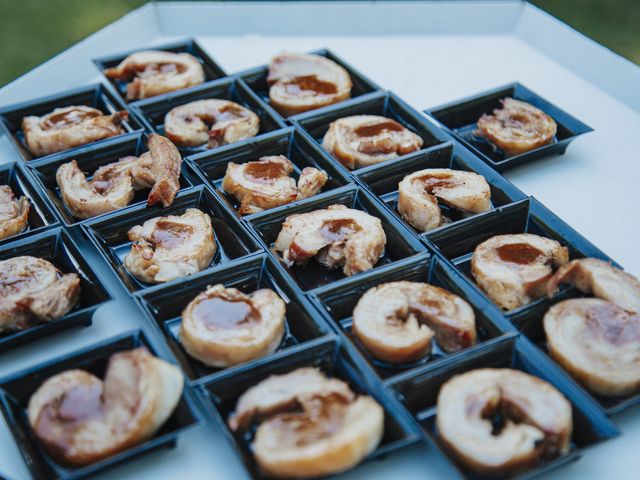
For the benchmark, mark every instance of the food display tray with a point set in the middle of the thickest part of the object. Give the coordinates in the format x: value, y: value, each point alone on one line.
x: 404, y: 58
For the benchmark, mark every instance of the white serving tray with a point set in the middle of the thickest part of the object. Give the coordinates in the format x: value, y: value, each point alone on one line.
x: 429, y: 53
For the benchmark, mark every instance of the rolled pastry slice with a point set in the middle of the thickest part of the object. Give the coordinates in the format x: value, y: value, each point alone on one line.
x: 419, y: 193
x: 601, y: 279
x: 81, y: 419
x: 153, y: 72
x: 336, y: 236
x: 536, y: 420
x: 517, y: 127
x: 514, y: 270
x: 298, y: 83
x: 213, y: 122
x: 266, y: 183
x: 166, y: 248
x: 363, y: 140
x: 70, y: 127
x: 314, y: 426
x: 32, y: 290
x: 597, y: 342
x: 14, y: 213
x: 223, y: 326
x: 396, y: 321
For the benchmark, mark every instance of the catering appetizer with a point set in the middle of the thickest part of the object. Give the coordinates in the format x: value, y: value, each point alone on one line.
x: 113, y: 185
x: 597, y: 340
x: 166, y: 248
x: 535, y: 420
x: 211, y: 122
x: 222, y: 326
x: 311, y: 425
x: 298, y: 83
x: 397, y: 321
x: 514, y: 270
x: 266, y: 183
x: 153, y: 72
x: 70, y: 127
x: 32, y: 290
x: 420, y: 192
x: 81, y: 419
x: 364, y: 140
x: 336, y: 237
x: 517, y: 127
x: 14, y: 213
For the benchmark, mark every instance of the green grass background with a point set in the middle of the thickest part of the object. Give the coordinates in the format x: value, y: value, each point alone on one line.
x: 31, y: 31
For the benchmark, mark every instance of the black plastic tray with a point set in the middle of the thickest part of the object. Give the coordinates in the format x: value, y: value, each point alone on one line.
x: 57, y: 246
x: 333, y: 357
x: 109, y: 233
x: 460, y: 119
x: 526, y: 216
x: 41, y: 215
x: 400, y: 242
x: 419, y: 391
x: 289, y: 142
x: 315, y: 123
x: 256, y: 77
x: 337, y: 304
x: 383, y: 181
x: 212, y: 70
x: 89, y: 160
x: 164, y: 306
x: 95, y: 95
x: 16, y: 390
x: 153, y: 110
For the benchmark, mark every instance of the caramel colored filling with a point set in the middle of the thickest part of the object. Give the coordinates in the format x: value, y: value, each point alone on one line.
x: 264, y: 172
x: 171, y: 235
x: 520, y: 253
x: 373, y: 129
x: 71, y: 117
x: 221, y: 312
x: 310, y: 83
x: 339, y: 229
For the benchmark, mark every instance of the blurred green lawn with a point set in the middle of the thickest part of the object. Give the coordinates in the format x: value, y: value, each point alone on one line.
x: 31, y: 31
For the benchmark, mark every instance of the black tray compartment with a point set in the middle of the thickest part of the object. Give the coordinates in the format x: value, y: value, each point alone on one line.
x: 212, y: 70
x: 16, y: 390
x: 289, y: 142
x: 315, y: 123
x: 332, y: 357
x: 418, y: 391
x: 109, y: 233
x: 152, y: 111
x: 400, y: 242
x: 41, y: 215
x: 337, y: 304
x: 95, y: 96
x: 93, y: 157
x: 57, y: 246
x: 164, y: 307
x: 256, y: 78
x: 460, y: 118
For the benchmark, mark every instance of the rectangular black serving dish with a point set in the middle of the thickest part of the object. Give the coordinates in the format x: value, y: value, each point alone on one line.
x: 89, y: 160
x: 458, y: 242
x: 16, y: 390
x: 315, y: 123
x: 95, y: 96
x: 289, y: 142
x: 460, y: 119
x: 530, y: 323
x: 57, y: 246
x: 153, y: 110
x: 337, y: 304
x: 383, y: 181
x: 256, y: 78
x: 400, y: 242
x: 331, y: 356
x: 212, y: 70
x: 164, y: 307
x: 41, y: 215
x: 109, y: 232
x: 418, y: 391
